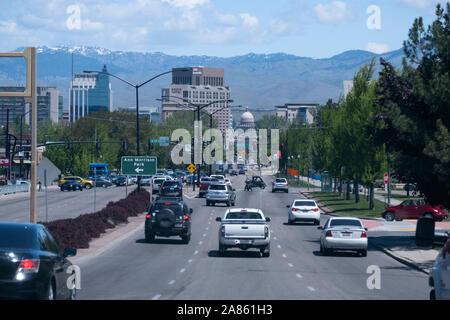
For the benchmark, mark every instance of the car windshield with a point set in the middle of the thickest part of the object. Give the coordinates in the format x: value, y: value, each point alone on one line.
x: 159, y: 181
x: 281, y: 181
x: 345, y: 222
x: 171, y: 183
x: 244, y: 215
x: 304, y: 203
x: 16, y: 237
x: 219, y: 187
x: 175, y: 207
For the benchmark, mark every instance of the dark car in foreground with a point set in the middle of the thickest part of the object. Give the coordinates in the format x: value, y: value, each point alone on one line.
x: 71, y: 186
x: 32, y: 265
x: 414, y: 209
x: 168, y: 217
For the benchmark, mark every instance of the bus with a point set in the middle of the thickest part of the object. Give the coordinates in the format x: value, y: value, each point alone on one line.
x: 100, y: 170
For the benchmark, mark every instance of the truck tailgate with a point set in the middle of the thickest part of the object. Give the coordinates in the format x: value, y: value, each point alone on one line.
x: 249, y: 230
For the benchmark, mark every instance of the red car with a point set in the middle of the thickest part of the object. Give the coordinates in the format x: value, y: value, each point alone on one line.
x: 414, y: 209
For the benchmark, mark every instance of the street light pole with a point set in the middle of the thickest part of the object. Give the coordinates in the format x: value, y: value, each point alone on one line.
x: 138, y: 149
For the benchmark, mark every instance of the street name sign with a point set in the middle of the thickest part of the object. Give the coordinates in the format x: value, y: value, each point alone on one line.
x: 139, y: 166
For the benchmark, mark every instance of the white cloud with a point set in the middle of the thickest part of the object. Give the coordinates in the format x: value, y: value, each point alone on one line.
x: 249, y: 20
x: 377, y: 48
x: 421, y: 4
x: 187, y: 4
x: 331, y: 13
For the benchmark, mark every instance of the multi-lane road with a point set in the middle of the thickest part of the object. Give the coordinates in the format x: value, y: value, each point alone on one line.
x: 168, y: 269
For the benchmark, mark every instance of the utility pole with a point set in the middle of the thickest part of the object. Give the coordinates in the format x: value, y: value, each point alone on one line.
x: 389, y: 178
x: 7, y: 147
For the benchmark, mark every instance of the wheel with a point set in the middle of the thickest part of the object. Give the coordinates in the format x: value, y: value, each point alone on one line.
x: 104, y: 185
x: 213, y: 204
x: 432, y: 295
x: 389, y: 216
x: 149, y: 237
x: 265, y: 252
x: 186, y: 239
x: 222, y: 250
x: 88, y: 186
x: 50, y: 295
x: 363, y: 253
x: 287, y: 191
x: 208, y: 203
x: 317, y: 222
x: 273, y: 191
x: 290, y: 222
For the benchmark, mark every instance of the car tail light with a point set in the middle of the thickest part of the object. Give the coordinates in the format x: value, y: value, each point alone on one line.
x: 328, y: 234
x: 164, y: 188
x: 222, y: 231
x: 287, y: 185
x: 179, y: 188
x: 266, y: 232
x: 315, y: 209
x: 186, y: 217
x: 363, y: 235
x: 201, y: 186
x: 29, y: 266
x: 293, y: 209
x: 148, y: 216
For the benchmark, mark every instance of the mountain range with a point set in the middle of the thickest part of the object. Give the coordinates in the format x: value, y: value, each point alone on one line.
x: 259, y: 81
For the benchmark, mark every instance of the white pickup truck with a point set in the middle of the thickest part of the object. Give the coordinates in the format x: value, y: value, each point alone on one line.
x: 244, y: 229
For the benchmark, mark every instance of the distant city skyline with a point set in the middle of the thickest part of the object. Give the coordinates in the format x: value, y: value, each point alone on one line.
x: 215, y: 28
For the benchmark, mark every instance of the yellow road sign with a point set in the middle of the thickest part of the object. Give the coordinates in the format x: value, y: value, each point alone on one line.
x: 192, y: 168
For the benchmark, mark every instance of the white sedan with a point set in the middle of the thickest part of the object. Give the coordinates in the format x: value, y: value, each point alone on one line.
x: 304, y: 210
x: 439, y: 278
x: 343, y: 233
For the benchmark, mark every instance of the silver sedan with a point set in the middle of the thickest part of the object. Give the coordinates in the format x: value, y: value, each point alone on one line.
x: 343, y: 233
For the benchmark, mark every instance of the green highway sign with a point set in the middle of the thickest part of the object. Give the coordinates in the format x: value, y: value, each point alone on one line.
x: 139, y: 166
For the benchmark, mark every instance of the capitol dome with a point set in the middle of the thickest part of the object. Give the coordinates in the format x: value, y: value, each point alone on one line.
x: 247, y: 119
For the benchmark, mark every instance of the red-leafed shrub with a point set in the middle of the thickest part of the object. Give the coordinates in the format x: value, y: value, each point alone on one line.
x: 77, y: 232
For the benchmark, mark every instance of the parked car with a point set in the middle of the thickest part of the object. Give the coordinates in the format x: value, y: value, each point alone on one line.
x: 219, y: 192
x: 71, y: 186
x: 343, y: 233
x: 171, y: 188
x: 439, y: 278
x: 102, y: 182
x: 32, y: 265
x: 280, y: 184
x: 86, y: 183
x: 304, y: 210
x: 244, y: 229
x: 168, y: 217
x: 414, y: 209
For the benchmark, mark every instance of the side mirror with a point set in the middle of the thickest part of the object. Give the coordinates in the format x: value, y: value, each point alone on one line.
x: 191, y: 211
x: 366, y: 229
x: 320, y: 228
x: 268, y: 219
x: 219, y: 219
x: 69, y: 252
x: 288, y: 206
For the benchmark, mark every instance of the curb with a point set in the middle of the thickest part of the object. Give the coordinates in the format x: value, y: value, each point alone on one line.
x: 388, y: 252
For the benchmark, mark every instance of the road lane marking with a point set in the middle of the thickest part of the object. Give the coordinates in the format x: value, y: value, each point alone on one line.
x: 284, y: 256
x: 311, y: 289
x: 274, y: 238
x: 204, y: 234
x: 200, y: 243
x: 278, y: 246
x: 182, y: 270
x: 298, y: 275
x: 290, y: 265
x: 403, y: 228
x: 190, y: 260
x: 171, y: 282
x: 156, y: 297
x: 195, y: 253
x: 206, y: 228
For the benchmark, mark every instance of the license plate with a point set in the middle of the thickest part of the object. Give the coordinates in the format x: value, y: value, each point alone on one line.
x: 178, y: 225
x: 347, y: 234
x: 243, y: 241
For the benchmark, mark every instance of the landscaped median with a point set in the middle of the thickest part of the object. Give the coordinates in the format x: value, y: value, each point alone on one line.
x: 338, y: 205
x: 78, y: 232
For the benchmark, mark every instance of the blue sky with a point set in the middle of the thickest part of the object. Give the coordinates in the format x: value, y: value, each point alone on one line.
x: 225, y: 28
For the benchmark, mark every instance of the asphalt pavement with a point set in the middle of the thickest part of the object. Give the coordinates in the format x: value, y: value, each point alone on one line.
x: 168, y: 269
x: 61, y: 204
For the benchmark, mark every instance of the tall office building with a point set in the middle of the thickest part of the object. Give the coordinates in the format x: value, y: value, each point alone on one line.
x: 47, y: 105
x: 199, y: 86
x: 298, y: 112
x: 89, y: 93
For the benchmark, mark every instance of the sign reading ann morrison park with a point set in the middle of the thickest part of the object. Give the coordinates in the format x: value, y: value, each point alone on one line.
x: 139, y: 166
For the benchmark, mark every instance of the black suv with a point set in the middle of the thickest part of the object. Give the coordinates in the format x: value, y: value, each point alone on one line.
x: 171, y: 188
x: 168, y: 217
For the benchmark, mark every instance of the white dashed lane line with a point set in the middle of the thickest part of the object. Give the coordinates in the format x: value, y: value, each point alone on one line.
x: 290, y: 265
x: 171, y: 282
x: 278, y: 246
x: 156, y: 297
x: 195, y: 253
x: 284, y: 255
x: 298, y: 275
x: 182, y: 270
x: 311, y: 289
